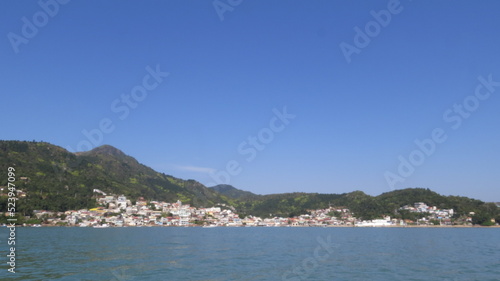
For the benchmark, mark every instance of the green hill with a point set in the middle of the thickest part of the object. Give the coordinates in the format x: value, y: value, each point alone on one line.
x: 365, y: 206
x: 232, y: 192
x: 58, y: 180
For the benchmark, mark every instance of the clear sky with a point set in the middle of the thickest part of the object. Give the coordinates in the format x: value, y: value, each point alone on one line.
x: 363, y: 80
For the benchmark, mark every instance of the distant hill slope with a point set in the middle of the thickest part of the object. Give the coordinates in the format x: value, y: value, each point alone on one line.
x: 232, y: 192
x: 362, y: 205
x: 56, y: 179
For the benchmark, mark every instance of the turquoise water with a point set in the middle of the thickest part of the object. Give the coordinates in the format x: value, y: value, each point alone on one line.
x: 254, y: 254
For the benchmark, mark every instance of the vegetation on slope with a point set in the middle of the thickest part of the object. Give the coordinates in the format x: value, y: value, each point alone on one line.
x: 365, y: 206
x: 57, y: 180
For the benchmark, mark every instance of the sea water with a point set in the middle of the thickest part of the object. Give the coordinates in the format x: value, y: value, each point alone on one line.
x: 253, y: 253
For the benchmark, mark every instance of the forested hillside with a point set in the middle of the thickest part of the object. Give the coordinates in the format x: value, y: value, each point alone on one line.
x: 52, y: 178
x: 55, y: 179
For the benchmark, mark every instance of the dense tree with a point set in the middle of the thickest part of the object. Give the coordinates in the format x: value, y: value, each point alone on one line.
x: 56, y: 180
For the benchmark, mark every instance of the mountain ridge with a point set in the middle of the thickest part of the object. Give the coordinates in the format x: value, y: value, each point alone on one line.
x: 60, y: 180
x: 233, y: 192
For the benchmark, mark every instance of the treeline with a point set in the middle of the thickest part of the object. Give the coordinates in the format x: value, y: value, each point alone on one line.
x: 370, y: 207
x: 54, y: 179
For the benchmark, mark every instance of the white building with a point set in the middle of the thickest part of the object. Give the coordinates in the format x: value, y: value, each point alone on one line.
x: 121, y: 202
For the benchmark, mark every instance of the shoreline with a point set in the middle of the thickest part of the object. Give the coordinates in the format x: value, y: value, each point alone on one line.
x: 283, y: 226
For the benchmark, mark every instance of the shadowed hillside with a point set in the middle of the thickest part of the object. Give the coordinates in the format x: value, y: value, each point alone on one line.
x: 55, y: 179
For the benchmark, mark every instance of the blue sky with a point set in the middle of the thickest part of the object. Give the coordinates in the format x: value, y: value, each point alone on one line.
x: 65, y: 68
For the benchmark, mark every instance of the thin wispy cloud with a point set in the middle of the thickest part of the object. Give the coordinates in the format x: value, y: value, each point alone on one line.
x: 196, y: 169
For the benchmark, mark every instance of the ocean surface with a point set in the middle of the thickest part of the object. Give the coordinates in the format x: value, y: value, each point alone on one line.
x: 266, y: 253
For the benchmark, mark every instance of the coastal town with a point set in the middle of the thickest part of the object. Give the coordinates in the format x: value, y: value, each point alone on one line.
x: 120, y: 211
